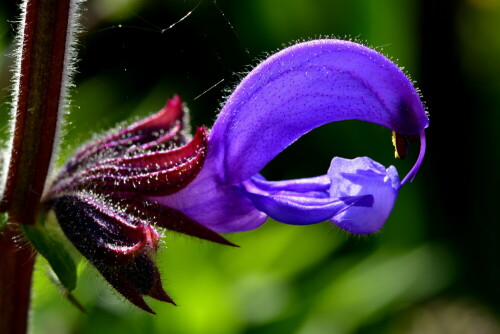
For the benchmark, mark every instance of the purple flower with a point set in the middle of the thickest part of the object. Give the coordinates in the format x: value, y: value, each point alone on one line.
x: 112, y: 195
x: 289, y: 94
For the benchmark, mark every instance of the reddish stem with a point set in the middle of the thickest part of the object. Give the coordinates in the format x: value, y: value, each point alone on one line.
x: 16, y: 268
x: 40, y: 88
x: 40, y: 96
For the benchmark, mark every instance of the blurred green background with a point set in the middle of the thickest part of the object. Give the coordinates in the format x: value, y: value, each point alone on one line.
x: 434, y: 268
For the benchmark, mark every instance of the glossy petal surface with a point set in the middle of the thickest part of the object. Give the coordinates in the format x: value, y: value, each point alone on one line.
x: 361, y: 177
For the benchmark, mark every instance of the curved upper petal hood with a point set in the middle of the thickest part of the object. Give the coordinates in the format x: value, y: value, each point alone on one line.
x: 305, y: 86
x: 289, y: 94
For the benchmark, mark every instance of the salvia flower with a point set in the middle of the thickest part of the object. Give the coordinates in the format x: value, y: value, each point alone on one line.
x: 113, y: 194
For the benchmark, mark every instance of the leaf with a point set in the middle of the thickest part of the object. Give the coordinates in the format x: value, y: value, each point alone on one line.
x: 4, y: 218
x: 54, y: 251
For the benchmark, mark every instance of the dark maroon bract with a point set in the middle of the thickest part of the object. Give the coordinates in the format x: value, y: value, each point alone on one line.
x: 99, y: 199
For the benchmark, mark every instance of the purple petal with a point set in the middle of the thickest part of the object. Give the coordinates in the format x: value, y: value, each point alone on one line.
x: 359, y: 196
x: 359, y: 177
x: 220, y: 207
x: 303, y: 87
x: 305, y: 205
x: 413, y: 172
x: 318, y: 184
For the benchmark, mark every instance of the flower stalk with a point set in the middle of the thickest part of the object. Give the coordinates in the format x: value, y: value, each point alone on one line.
x: 41, y: 79
x: 16, y: 269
